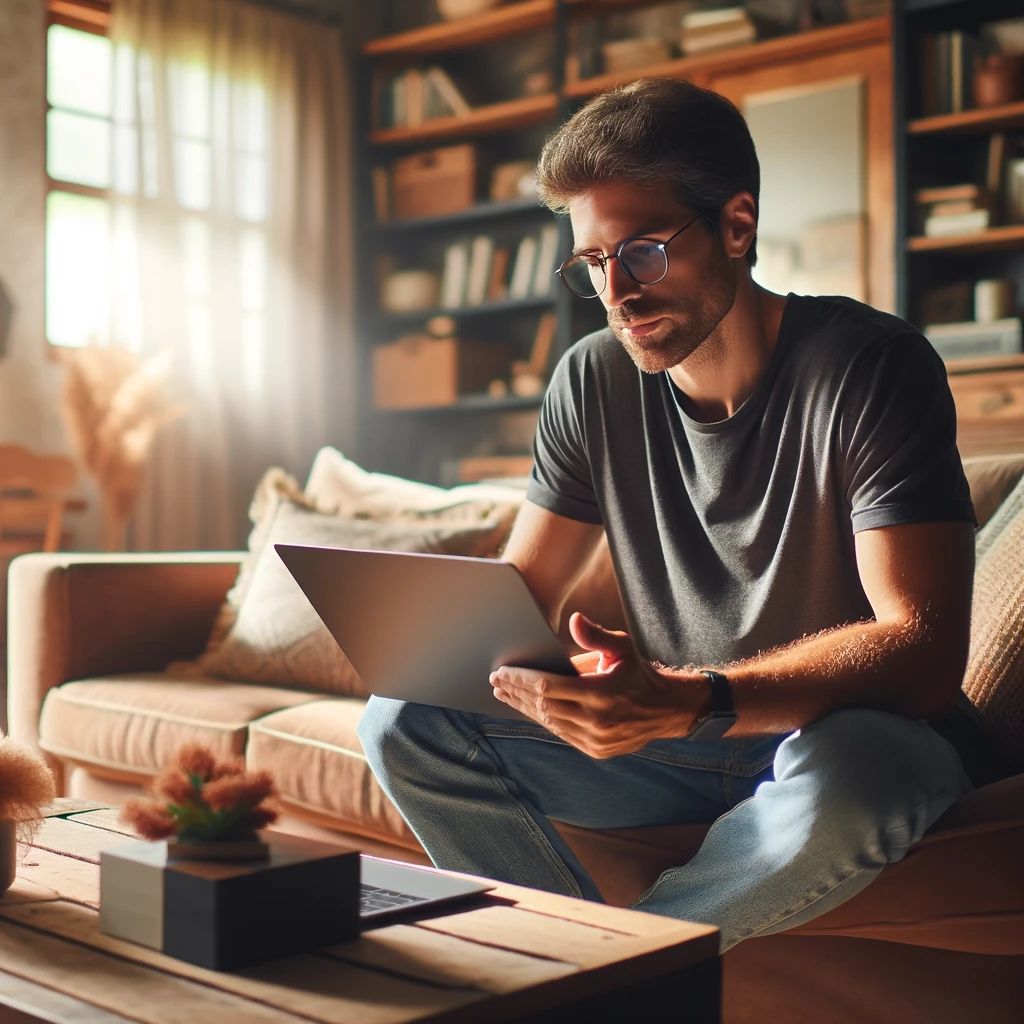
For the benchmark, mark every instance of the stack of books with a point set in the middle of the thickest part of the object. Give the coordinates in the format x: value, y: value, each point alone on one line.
x: 701, y: 31
x: 972, y: 340
x: 954, y: 209
x: 479, y: 270
x: 416, y: 95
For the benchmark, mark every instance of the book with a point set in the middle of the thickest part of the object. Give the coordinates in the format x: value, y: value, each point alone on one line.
x: 950, y: 193
x: 971, y: 340
x: 480, y: 251
x: 452, y: 100
x: 523, y: 268
x: 453, y: 277
x: 497, y: 287
x: 547, y: 254
x: 721, y: 16
x: 952, y: 207
x: 1015, y: 191
x: 717, y: 40
x: 413, y: 98
x: 380, y: 181
x: 957, y: 224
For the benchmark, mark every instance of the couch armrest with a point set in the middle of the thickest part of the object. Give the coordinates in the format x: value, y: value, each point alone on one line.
x: 73, y: 616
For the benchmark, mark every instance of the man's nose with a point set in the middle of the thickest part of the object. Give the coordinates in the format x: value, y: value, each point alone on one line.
x: 620, y: 287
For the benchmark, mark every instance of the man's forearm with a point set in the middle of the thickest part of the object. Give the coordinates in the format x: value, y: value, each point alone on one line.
x: 906, y: 668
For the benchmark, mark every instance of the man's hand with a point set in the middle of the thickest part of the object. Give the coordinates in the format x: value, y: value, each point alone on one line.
x: 617, y: 705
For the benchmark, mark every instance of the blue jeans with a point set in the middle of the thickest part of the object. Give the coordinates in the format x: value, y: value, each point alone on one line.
x: 801, y: 822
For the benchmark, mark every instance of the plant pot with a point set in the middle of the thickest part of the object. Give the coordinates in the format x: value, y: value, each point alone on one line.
x: 8, y: 854
x: 999, y: 79
x: 232, y: 849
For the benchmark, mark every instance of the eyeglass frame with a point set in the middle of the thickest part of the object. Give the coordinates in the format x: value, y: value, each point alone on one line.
x: 617, y: 255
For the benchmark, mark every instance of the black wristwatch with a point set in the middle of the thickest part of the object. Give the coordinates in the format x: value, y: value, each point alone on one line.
x: 721, y: 715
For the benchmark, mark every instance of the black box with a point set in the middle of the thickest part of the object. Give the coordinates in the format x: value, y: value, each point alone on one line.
x: 229, y: 914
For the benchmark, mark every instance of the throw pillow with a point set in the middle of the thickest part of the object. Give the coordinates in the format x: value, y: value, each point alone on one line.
x: 994, y: 680
x: 275, y: 637
x: 338, y: 484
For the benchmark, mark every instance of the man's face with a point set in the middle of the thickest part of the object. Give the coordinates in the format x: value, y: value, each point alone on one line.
x: 660, y: 324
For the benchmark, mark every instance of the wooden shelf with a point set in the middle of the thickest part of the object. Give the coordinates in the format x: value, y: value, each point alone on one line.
x: 771, y: 51
x: 466, y: 32
x: 493, y: 118
x: 993, y: 240
x: 985, y: 363
x: 970, y: 122
x: 470, y: 403
x: 480, y: 212
x: 482, y: 309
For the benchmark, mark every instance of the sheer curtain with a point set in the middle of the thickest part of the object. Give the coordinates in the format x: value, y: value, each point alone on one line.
x: 233, y: 245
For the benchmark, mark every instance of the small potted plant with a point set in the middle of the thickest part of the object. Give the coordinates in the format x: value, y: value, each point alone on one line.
x: 208, y: 808
x: 26, y: 784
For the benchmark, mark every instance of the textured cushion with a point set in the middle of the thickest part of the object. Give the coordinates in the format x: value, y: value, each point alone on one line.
x: 133, y: 724
x: 995, y: 668
x: 278, y: 638
x: 339, y: 485
x: 317, y: 761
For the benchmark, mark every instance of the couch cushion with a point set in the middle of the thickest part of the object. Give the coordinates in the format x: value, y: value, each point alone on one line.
x: 316, y: 759
x: 132, y: 725
x: 991, y: 478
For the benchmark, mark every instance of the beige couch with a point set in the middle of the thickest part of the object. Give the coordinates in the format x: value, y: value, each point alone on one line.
x: 939, y: 937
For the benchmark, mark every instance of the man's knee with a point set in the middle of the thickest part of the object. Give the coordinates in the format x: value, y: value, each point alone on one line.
x: 386, y: 725
x: 870, y: 770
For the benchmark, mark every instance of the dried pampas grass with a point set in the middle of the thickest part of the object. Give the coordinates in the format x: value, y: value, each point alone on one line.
x: 113, y: 404
x: 26, y: 786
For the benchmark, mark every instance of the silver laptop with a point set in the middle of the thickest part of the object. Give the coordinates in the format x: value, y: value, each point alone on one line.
x: 388, y: 888
x: 427, y: 628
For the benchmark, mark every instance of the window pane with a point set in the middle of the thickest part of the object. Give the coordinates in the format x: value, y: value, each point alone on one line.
x: 78, y: 70
x: 190, y: 100
x: 192, y: 172
x: 252, y: 268
x: 77, y: 276
x: 78, y: 149
x: 251, y: 188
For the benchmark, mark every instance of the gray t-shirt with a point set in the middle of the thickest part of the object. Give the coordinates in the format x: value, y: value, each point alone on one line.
x: 734, y: 537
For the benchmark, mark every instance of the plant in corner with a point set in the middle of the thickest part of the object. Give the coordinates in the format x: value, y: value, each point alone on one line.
x: 213, y: 808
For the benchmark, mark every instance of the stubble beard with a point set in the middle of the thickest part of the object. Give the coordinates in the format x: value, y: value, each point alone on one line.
x: 715, y: 297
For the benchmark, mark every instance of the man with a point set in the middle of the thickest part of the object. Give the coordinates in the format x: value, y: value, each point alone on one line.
x: 792, y: 535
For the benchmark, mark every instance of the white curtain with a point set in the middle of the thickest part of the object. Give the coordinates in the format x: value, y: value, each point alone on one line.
x: 232, y: 224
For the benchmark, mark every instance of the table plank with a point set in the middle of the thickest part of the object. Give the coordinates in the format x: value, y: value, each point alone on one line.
x: 120, y: 986
x: 447, y: 960
x: 108, y: 818
x: 51, y: 874
x: 343, y: 993
x: 74, y: 841
x: 25, y: 1001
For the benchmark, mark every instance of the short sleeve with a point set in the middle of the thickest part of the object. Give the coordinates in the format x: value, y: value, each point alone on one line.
x: 562, y: 480
x: 897, y: 438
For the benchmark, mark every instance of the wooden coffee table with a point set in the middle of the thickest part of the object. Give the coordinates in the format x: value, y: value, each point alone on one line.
x: 515, y: 955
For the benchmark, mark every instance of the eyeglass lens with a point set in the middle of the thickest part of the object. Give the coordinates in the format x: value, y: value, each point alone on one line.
x: 643, y: 260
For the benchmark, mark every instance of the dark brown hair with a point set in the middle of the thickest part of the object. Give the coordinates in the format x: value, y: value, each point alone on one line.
x: 651, y: 131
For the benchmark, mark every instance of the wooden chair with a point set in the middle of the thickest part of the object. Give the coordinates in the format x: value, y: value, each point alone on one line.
x: 33, y: 488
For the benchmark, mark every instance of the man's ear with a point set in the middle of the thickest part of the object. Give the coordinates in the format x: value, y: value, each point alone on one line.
x: 738, y: 224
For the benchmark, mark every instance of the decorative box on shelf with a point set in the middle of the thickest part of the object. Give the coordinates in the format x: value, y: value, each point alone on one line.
x: 434, y: 182
x: 418, y: 371
x: 228, y: 914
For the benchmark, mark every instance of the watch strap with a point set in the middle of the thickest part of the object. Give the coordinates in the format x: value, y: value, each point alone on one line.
x: 721, y: 716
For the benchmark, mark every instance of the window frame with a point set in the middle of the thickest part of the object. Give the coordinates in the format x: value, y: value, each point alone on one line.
x: 91, y: 16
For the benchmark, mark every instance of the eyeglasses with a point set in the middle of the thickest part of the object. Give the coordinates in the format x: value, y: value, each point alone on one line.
x: 643, y: 259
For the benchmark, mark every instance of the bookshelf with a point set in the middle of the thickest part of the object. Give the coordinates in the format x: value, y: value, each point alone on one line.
x: 954, y: 159
x: 403, y: 112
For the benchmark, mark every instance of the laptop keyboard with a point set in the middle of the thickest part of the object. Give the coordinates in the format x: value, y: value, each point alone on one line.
x: 372, y: 898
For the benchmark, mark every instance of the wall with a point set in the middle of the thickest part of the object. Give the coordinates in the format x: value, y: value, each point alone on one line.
x: 29, y: 377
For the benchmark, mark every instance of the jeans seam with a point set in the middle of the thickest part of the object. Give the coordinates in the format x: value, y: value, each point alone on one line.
x: 535, y: 831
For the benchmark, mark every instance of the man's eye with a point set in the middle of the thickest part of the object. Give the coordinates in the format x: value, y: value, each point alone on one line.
x: 591, y: 259
x: 642, y: 250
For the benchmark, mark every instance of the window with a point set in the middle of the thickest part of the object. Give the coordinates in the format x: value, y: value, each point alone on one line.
x: 104, y: 170
x: 79, y: 137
